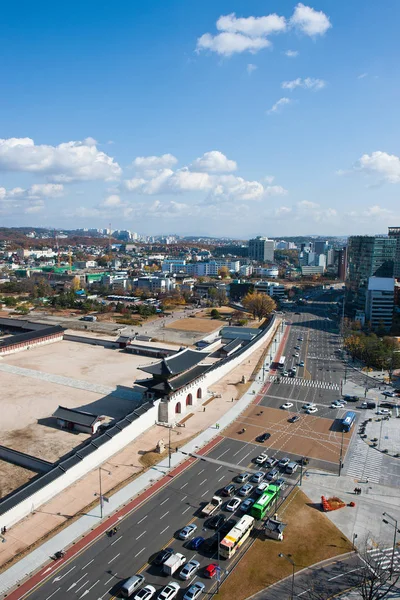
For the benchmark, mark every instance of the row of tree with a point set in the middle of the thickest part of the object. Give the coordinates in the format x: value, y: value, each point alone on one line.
x: 375, y: 352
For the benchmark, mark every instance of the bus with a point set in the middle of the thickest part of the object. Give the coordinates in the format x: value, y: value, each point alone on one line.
x: 236, y: 537
x: 261, y: 506
x: 281, y: 364
x: 348, y: 420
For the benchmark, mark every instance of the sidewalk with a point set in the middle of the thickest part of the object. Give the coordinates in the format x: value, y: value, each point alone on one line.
x: 123, y: 465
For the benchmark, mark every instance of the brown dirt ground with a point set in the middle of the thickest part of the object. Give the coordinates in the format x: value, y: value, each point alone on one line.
x: 310, y: 537
x: 195, y: 324
x: 311, y: 436
x: 11, y: 477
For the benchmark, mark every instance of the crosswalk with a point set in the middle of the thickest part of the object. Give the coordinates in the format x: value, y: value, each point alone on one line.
x: 323, y: 385
x: 363, y: 462
x: 383, y: 558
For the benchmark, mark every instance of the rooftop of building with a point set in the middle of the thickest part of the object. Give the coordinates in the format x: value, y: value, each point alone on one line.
x: 384, y: 284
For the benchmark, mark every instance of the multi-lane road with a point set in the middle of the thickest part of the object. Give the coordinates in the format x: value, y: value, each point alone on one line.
x: 97, y: 572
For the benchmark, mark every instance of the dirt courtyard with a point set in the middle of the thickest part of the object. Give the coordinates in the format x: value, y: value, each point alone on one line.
x: 195, y: 324
x: 311, y: 436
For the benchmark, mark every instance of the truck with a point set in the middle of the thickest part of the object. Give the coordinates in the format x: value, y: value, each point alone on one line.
x: 173, y: 563
x: 212, y: 506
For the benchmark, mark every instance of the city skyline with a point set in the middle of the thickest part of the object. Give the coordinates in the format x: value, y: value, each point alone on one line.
x: 221, y: 121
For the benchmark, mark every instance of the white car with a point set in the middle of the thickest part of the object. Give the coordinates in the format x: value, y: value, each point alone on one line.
x: 337, y: 405
x: 169, y: 591
x: 262, y: 487
x: 233, y: 504
x: 296, y: 354
x: 383, y: 411
x: 187, y: 531
x: 287, y: 405
x: 261, y: 458
x: 189, y: 569
x: 308, y: 405
x: 311, y: 410
x: 145, y: 593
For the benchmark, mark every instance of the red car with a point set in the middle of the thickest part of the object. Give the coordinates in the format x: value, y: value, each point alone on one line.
x: 211, y: 570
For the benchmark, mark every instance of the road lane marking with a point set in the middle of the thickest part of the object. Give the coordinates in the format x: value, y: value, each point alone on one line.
x: 164, y: 530
x: 203, y: 481
x: 62, y: 576
x: 188, y: 508
x: 206, y: 492
x: 200, y: 472
x: 48, y: 597
x: 218, y: 457
x: 184, y: 485
x: 221, y: 478
x: 139, y: 536
x: 87, y: 591
x: 184, y: 498
x: 83, y: 585
x: 140, y: 552
x: 90, y: 562
x: 145, y: 517
x: 117, y: 540
x: 108, y: 580
x: 164, y: 515
x: 76, y: 582
x: 164, y: 501
x: 114, y: 558
x: 337, y: 576
x: 220, y: 467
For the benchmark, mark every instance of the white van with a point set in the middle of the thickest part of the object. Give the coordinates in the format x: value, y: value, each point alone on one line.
x: 291, y: 468
x: 131, y: 585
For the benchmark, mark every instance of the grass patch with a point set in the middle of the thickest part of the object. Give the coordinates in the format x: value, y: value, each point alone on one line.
x: 309, y: 538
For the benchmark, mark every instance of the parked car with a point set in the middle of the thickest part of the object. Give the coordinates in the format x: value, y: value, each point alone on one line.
x: 283, y: 462
x: 196, y: 542
x: 272, y: 475
x: 287, y: 405
x: 257, y: 477
x: 228, y: 490
x: 245, y: 490
x: 189, y: 569
x: 242, y: 477
x: 291, y: 468
x: 233, y: 504
x: 271, y: 462
x: 216, y: 521
x: 163, y: 556
x: 261, y: 458
x: 211, y: 570
x: 169, y: 591
x: 263, y: 437
x: 247, y: 504
x: 187, y: 531
x: 195, y: 591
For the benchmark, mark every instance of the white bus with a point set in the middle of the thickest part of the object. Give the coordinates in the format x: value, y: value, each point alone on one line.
x: 281, y: 364
x: 236, y: 537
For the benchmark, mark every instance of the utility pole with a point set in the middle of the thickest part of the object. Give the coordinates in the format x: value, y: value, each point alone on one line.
x: 341, y: 454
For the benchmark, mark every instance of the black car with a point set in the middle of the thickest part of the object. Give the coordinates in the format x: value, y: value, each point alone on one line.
x: 227, y: 526
x: 163, y: 556
x: 211, y: 543
x: 228, y: 490
x: 387, y: 404
x: 263, y: 437
x: 294, y: 419
x: 216, y: 521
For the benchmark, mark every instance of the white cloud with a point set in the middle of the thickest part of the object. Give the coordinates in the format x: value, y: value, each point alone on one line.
x: 168, y: 181
x: 112, y: 201
x: 282, y: 211
x: 308, y: 84
x: 377, y: 212
x: 385, y: 166
x: 307, y: 204
x: 362, y: 76
x: 35, y: 192
x: 227, y: 44
x: 277, y: 107
x: 69, y: 161
x: 291, y: 53
x: 269, y: 179
x: 309, y: 21
x: 213, y: 162
x: 144, y: 163
x: 252, y: 26
x: 275, y: 190
x: 250, y: 68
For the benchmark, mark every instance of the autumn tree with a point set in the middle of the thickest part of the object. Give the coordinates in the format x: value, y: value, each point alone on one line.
x: 223, y: 272
x: 260, y: 305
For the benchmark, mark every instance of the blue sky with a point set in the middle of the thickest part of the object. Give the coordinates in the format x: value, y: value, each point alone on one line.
x: 228, y: 118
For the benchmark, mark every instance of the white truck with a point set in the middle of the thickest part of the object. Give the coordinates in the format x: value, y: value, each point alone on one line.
x: 173, y: 563
x: 212, y: 506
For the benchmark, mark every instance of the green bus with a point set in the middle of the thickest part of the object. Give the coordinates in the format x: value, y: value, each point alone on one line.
x: 261, y: 506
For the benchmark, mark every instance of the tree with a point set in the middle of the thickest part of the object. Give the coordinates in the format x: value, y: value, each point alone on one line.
x: 374, y: 580
x: 223, y: 272
x: 260, y: 305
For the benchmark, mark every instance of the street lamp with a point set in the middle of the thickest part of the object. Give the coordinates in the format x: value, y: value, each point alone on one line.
x: 100, y: 494
x: 396, y: 531
x: 355, y: 536
x: 287, y: 557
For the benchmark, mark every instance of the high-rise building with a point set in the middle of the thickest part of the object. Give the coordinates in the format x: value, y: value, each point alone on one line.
x: 261, y: 249
x: 342, y: 263
x: 380, y: 302
x: 367, y: 256
x: 394, y: 232
x: 320, y: 247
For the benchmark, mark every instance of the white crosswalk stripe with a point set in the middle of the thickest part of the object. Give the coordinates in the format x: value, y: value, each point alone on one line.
x: 383, y: 557
x: 363, y: 462
x: 305, y: 382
